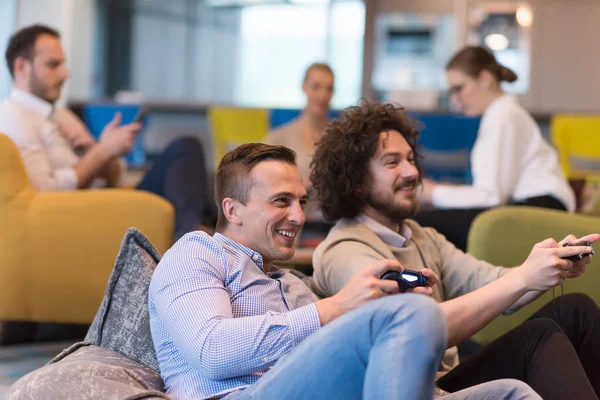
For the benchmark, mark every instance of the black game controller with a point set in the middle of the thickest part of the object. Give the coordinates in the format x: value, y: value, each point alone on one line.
x: 406, y: 279
x: 579, y: 256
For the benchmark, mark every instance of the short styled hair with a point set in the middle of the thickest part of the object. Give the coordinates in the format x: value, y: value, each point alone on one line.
x: 233, y: 174
x: 22, y: 44
x: 340, y: 172
x: 315, y: 66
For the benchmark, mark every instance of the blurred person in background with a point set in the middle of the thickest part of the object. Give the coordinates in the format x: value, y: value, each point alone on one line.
x: 59, y: 152
x: 511, y: 162
x: 302, y: 133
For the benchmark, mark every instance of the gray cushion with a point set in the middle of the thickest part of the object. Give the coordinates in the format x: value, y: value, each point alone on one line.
x: 84, y: 371
x: 122, y: 323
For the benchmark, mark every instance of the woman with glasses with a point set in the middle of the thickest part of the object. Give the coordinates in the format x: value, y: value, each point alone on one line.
x: 511, y: 163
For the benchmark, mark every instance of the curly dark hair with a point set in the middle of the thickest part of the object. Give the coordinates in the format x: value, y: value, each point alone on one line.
x: 340, y: 165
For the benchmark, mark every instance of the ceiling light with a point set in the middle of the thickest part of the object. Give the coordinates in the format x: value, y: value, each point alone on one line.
x: 524, y: 16
x: 496, y: 41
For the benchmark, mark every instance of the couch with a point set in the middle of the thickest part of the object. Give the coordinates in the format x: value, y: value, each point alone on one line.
x: 505, y: 236
x: 57, y: 249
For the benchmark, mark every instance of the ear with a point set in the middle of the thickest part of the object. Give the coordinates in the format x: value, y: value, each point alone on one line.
x: 305, y: 87
x: 232, y: 210
x: 21, y: 65
x: 486, y: 79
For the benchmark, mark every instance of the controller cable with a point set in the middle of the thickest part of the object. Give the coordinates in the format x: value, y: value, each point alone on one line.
x: 562, y: 291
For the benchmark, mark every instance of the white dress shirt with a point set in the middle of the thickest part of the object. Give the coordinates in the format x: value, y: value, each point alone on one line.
x: 510, y: 161
x: 218, y: 321
x: 47, y: 155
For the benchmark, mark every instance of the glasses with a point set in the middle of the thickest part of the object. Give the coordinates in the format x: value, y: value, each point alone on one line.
x: 456, y: 89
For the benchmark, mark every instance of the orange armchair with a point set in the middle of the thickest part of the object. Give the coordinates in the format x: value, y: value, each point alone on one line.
x: 57, y: 249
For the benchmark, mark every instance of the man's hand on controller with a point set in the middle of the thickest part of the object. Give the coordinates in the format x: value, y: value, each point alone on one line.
x: 426, y: 290
x: 579, y: 266
x: 546, y: 265
x: 364, y: 286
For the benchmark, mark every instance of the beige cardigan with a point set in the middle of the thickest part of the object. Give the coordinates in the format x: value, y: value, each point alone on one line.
x: 351, y: 246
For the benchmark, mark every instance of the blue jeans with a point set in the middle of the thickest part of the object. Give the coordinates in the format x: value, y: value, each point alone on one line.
x: 388, y: 349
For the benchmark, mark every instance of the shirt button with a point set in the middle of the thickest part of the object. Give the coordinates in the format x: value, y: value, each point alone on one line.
x: 266, y: 359
x: 255, y: 257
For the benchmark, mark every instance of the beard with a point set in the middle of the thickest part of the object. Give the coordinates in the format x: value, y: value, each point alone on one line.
x: 41, y: 90
x: 390, y: 209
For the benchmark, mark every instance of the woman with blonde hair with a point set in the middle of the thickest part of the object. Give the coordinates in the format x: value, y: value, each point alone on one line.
x: 301, y: 135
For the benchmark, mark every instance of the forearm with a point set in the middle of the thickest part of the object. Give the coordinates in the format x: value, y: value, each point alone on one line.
x: 527, y: 298
x: 470, y: 313
x: 91, y: 165
x: 260, y: 341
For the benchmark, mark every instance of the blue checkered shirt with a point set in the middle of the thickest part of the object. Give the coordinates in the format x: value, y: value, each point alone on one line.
x: 218, y: 322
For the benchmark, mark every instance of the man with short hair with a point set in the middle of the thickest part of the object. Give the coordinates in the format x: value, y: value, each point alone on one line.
x: 227, y: 323
x: 37, y: 64
x: 366, y: 171
x: 58, y: 151
x: 301, y: 134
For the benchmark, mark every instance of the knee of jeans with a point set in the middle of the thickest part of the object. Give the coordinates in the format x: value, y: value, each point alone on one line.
x: 515, y: 389
x: 423, y: 310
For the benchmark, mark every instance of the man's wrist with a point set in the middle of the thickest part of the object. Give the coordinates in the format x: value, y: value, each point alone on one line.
x: 328, y: 310
x: 517, y: 278
x: 103, y: 152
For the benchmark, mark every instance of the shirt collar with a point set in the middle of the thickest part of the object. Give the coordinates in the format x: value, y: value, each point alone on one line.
x: 253, y: 255
x: 386, y: 234
x: 505, y: 98
x: 32, y: 102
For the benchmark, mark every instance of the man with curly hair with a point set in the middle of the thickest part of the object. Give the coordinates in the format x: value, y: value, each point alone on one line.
x: 366, y: 172
x: 227, y: 323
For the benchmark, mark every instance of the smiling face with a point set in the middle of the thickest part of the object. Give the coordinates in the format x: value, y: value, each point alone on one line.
x: 273, y: 215
x: 393, y: 179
